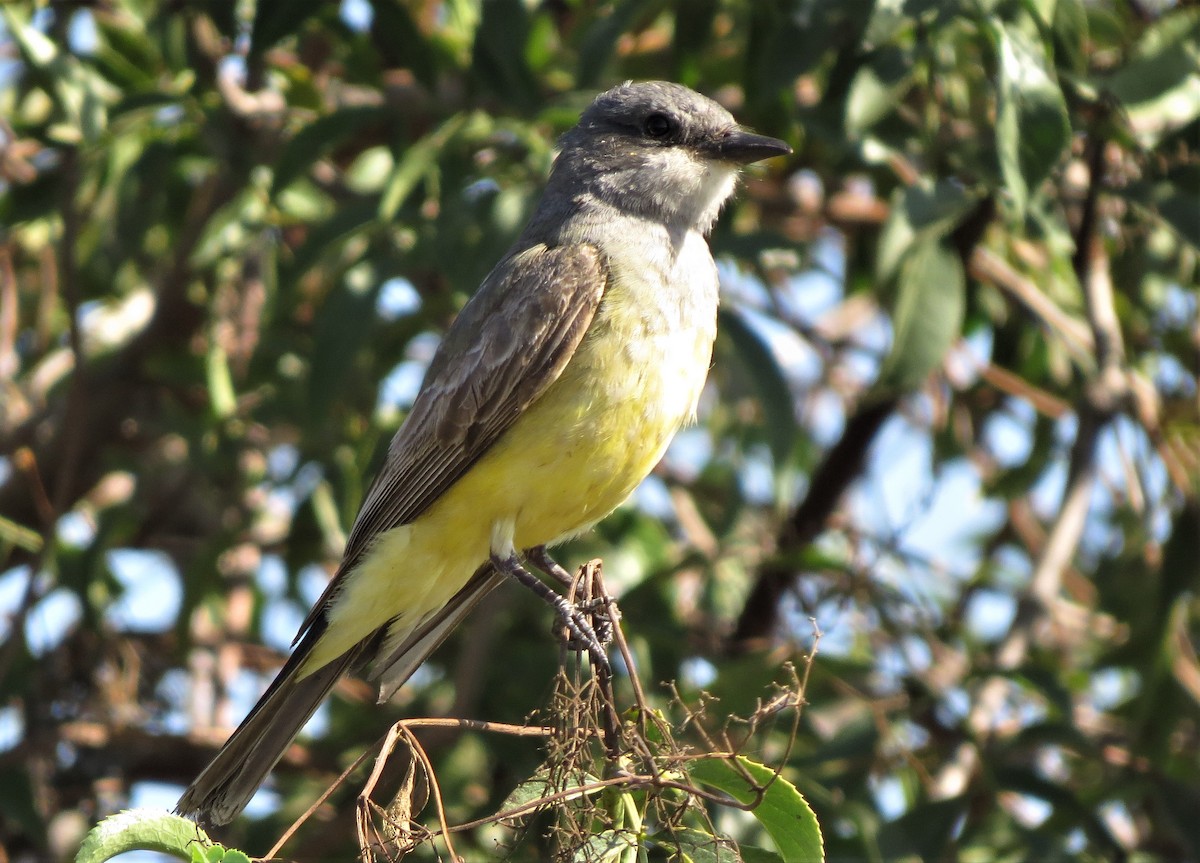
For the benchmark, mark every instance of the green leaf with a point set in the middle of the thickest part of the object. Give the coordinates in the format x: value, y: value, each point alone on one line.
x: 80, y: 93
x: 370, y: 169
x: 337, y: 343
x: 927, y: 318
x: 697, y: 846
x: 926, y: 831
x: 15, y: 534
x: 601, y: 39
x: 605, y: 847
x: 499, y: 52
x: 457, y: 25
x: 304, y: 203
x: 276, y: 19
x: 1180, y: 572
x: 1071, y: 35
x: 543, y: 784
x: 692, y: 34
x: 346, y: 222
x: 222, y: 397
x: 1043, y: 9
x: 754, y: 854
x: 230, y: 228
x: 782, y: 811
x: 401, y: 43
x: 416, y: 162
x: 143, y: 830
x: 17, y: 794
x: 876, y: 91
x: 127, y: 56
x: 35, y: 46
x: 1160, y: 86
x: 774, y: 394
x: 919, y: 211
x: 319, y: 137
x: 1032, y: 129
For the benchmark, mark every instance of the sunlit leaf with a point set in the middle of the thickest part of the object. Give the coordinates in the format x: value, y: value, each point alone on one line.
x: 605, y: 847
x: 368, y: 172
x: 144, y: 830
x: 1032, y: 130
x: 542, y: 785
x: 82, y: 95
x: 222, y: 397
x: 1160, y: 86
x: 782, y: 810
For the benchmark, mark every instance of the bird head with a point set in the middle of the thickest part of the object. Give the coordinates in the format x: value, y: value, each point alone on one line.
x: 662, y: 151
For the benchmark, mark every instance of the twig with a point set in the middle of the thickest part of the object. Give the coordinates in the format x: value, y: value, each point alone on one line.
x: 52, y: 503
x: 362, y: 815
x: 986, y: 266
x: 1105, y: 392
x: 588, y: 717
x: 633, y: 781
x: 430, y: 722
x: 325, y: 795
x: 434, y: 788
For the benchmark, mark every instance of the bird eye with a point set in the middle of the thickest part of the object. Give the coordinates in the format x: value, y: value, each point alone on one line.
x: 658, y: 125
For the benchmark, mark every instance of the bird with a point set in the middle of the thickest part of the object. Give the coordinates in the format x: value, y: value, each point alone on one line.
x: 552, y: 395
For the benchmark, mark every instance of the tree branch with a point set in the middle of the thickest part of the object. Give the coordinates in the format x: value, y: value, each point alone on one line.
x: 1105, y: 391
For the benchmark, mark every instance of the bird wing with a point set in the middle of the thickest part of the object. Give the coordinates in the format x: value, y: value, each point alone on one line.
x: 506, y: 347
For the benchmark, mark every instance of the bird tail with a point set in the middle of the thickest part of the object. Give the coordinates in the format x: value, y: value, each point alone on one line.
x: 395, y: 663
x: 226, y: 785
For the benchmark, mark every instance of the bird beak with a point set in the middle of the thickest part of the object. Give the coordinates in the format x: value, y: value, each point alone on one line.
x: 738, y: 145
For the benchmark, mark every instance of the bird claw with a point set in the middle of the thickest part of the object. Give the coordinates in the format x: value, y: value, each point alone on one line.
x: 589, y: 627
x: 575, y: 618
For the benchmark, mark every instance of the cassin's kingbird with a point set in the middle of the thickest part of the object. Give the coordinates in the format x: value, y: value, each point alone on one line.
x: 552, y: 395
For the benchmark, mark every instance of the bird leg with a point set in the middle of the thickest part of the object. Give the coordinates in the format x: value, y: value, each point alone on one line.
x: 598, y: 607
x: 572, y: 617
x: 540, y: 557
x: 598, y: 610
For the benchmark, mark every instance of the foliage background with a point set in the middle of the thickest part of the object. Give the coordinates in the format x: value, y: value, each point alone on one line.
x: 953, y: 415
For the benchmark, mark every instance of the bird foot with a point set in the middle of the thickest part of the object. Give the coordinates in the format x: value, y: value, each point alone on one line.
x: 575, y: 618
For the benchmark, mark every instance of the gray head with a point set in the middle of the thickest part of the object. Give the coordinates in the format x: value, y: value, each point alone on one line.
x: 659, y: 150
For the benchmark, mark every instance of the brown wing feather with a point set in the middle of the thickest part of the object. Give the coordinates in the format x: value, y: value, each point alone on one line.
x: 503, y: 351
x: 507, y: 346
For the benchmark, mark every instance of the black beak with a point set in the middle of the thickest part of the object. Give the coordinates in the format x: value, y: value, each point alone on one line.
x: 743, y: 147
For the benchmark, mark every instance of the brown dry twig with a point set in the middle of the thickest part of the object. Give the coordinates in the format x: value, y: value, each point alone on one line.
x: 592, y: 746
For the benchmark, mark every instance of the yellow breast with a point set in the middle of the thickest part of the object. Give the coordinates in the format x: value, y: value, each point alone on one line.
x: 573, y: 457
